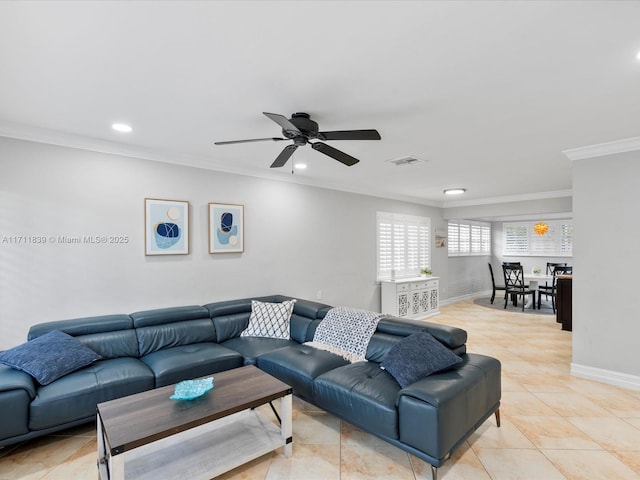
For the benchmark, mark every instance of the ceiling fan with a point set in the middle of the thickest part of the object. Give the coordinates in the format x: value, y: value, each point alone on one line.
x: 300, y: 128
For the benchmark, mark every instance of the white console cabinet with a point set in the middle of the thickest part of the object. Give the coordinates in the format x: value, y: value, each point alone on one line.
x: 411, y: 297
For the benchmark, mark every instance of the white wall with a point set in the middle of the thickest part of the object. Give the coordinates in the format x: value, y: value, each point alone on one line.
x: 606, y: 322
x: 299, y: 239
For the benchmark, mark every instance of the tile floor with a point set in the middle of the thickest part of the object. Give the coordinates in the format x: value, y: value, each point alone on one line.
x: 554, y: 426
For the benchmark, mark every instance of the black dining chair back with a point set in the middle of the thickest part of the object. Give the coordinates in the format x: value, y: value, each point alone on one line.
x: 515, y: 286
x: 558, y: 270
x: 493, y: 284
x: 547, y: 288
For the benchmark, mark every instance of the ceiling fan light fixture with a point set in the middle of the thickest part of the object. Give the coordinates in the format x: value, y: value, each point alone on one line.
x: 300, y: 165
x: 454, y: 191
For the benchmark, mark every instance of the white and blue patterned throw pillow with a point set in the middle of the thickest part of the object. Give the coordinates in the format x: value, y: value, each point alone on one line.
x: 269, y: 320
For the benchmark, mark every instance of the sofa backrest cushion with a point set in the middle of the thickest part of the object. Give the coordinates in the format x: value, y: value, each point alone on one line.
x: 171, y: 327
x: 231, y: 317
x: 110, y: 336
x: 121, y: 343
x: 392, y: 330
x: 451, y: 337
x: 230, y: 326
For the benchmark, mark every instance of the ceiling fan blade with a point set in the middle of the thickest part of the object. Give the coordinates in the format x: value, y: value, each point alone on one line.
x: 284, y: 156
x: 342, y: 157
x: 283, y: 121
x: 275, y: 139
x: 350, y: 135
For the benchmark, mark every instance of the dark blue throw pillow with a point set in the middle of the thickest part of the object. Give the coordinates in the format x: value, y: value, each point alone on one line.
x: 417, y: 356
x: 49, y: 356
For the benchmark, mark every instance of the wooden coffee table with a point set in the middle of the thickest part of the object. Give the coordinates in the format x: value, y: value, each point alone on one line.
x: 149, y: 436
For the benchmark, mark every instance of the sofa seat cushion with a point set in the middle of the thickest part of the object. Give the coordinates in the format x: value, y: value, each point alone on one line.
x: 75, y: 396
x: 253, y: 347
x: 186, y: 362
x: 362, y: 394
x: 299, y: 365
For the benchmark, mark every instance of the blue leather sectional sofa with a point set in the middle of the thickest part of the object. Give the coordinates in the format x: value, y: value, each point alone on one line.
x: 430, y: 418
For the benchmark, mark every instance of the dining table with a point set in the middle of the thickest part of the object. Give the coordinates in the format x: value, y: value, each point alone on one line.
x: 534, y: 280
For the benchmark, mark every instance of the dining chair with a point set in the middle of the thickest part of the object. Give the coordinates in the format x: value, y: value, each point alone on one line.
x: 513, y: 264
x: 494, y: 286
x: 547, y: 289
x: 558, y: 270
x: 515, y: 286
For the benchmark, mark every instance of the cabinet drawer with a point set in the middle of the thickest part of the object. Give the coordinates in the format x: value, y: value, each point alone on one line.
x: 402, y: 287
x: 431, y: 283
x: 418, y: 285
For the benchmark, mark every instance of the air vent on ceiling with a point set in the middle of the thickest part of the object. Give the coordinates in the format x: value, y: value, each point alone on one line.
x: 402, y: 161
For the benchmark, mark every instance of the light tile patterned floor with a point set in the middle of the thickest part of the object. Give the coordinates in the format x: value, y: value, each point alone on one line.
x: 554, y: 426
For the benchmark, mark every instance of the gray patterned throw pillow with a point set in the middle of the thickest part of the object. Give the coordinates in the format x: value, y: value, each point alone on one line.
x: 269, y: 320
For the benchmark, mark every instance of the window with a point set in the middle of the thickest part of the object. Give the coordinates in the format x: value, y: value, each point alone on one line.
x: 520, y: 239
x: 403, y: 245
x: 469, y: 238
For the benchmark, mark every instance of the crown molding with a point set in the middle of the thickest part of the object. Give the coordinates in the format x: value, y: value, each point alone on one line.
x: 61, y: 139
x: 525, y: 197
x: 52, y: 137
x: 603, y: 149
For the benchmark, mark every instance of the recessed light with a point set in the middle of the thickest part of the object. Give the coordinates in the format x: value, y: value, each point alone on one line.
x: 301, y: 166
x: 455, y: 191
x: 638, y: 55
x: 121, y: 127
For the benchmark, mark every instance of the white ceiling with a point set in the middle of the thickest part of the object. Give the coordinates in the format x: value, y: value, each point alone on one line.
x: 489, y: 94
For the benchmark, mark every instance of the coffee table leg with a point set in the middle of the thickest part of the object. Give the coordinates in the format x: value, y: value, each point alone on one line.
x: 116, y: 467
x: 286, y: 427
x: 101, y: 448
x: 109, y: 467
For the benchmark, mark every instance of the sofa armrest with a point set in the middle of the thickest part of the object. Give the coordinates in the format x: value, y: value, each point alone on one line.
x: 440, y: 388
x: 438, y: 412
x: 17, y: 390
x: 12, y: 379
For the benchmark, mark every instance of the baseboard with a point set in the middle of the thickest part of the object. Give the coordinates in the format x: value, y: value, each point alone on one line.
x: 606, y: 376
x: 471, y: 296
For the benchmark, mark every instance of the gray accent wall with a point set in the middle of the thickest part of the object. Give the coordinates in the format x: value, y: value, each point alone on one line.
x: 299, y: 240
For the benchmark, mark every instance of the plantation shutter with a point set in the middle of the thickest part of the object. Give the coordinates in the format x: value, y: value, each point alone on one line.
x: 403, y: 245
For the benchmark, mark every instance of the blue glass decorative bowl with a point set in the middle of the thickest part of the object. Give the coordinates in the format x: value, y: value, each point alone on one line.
x: 190, y: 389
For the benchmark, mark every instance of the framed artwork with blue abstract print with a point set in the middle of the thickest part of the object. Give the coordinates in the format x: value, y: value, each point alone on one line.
x: 166, y: 227
x: 226, y: 228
